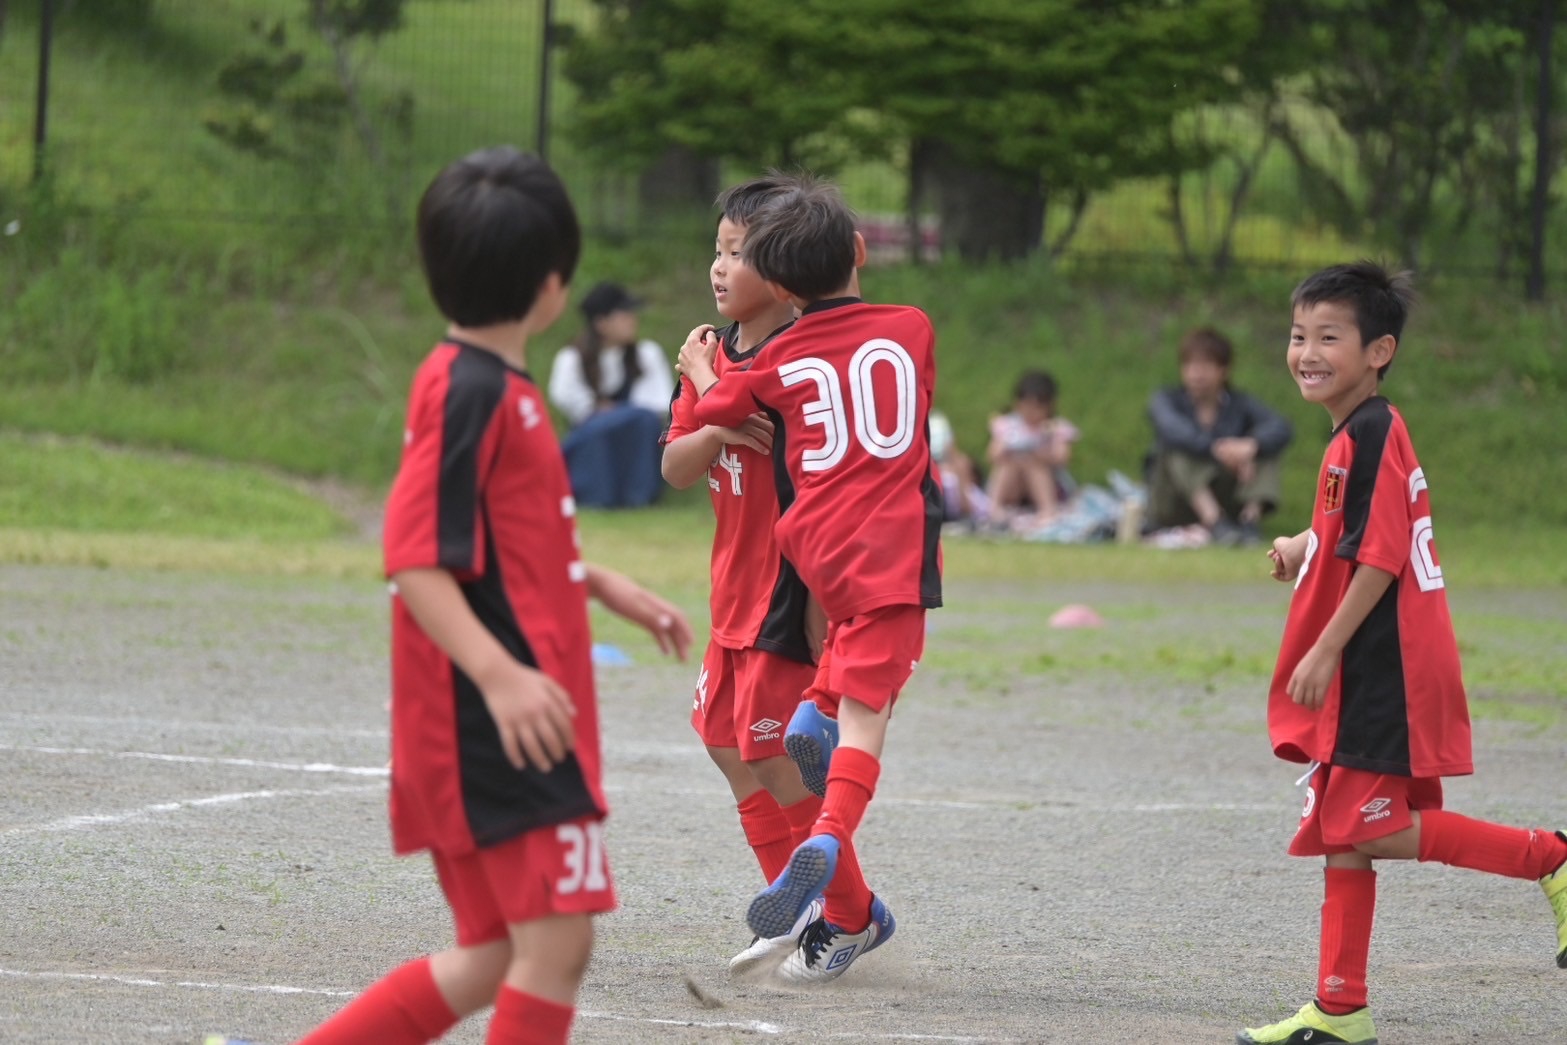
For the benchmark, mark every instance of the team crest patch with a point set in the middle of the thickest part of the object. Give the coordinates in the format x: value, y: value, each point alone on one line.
x: 1333, y: 489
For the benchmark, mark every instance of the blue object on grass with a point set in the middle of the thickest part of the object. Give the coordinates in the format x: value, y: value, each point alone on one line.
x: 607, y: 656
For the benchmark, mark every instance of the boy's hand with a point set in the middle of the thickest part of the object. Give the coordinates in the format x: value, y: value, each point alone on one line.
x: 533, y: 714
x: 625, y: 598
x: 1288, y: 553
x: 755, y: 431
x: 1309, y: 682
x: 697, y: 356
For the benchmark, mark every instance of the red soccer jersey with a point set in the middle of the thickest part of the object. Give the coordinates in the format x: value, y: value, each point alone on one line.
x: 849, y: 388
x: 1397, y: 703
x: 757, y: 598
x: 482, y: 493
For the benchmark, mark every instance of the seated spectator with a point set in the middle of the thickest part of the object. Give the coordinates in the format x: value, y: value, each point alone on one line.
x: 964, y: 500
x: 1215, y: 459
x: 614, y: 391
x: 1029, y: 450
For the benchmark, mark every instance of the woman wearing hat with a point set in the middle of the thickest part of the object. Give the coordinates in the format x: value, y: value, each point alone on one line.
x: 614, y: 390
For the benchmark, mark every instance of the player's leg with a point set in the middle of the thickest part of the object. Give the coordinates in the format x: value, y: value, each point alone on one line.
x: 1339, y: 1012
x: 537, y: 999
x: 718, y: 717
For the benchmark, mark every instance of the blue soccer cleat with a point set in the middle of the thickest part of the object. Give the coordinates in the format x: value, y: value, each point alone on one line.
x: 777, y: 908
x: 825, y: 951
x: 810, y: 741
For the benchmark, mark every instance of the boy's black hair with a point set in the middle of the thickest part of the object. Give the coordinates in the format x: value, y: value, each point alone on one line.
x: 739, y: 202
x: 1381, y: 299
x: 492, y: 227
x: 1037, y: 385
x: 802, y: 238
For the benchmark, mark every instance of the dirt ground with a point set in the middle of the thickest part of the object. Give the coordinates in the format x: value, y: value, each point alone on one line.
x: 193, y: 835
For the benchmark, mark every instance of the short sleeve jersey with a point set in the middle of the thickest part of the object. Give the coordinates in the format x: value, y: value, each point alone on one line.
x: 757, y: 599
x: 1397, y: 704
x: 482, y: 493
x: 849, y: 389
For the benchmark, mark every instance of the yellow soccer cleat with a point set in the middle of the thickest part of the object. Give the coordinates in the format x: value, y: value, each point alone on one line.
x: 1555, y: 886
x: 1312, y: 1026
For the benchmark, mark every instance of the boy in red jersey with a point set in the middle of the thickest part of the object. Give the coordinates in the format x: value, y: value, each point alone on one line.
x: 766, y: 631
x: 495, y: 752
x: 1367, y: 687
x: 848, y: 389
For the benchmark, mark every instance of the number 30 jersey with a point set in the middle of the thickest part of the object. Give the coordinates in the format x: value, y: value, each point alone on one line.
x: 1397, y: 704
x: 757, y: 598
x: 849, y: 389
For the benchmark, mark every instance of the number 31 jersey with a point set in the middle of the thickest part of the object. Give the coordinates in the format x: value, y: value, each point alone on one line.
x: 1397, y: 704
x: 849, y: 389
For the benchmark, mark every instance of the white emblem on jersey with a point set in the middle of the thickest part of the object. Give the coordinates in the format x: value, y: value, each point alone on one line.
x: 530, y: 412
x: 730, y: 463
x: 568, y: 506
x: 1311, y: 553
x: 577, y: 571
x: 1417, y: 482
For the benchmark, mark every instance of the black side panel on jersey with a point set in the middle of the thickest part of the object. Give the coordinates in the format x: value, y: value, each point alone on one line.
x: 1368, y: 427
x: 783, y: 629
x: 475, y: 385
x: 500, y: 800
x: 930, y: 564
x: 1373, y: 722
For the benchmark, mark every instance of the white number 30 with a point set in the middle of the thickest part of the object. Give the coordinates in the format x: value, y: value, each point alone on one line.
x: 827, y: 409
x: 583, y: 856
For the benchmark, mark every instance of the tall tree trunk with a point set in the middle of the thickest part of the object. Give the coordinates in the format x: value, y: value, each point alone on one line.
x: 678, y: 178
x: 1534, y: 287
x: 987, y: 214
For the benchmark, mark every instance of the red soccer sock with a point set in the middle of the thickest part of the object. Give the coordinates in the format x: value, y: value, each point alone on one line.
x: 768, y: 832
x: 526, y: 1019
x: 848, y: 897
x: 1349, y: 900
x: 1517, y: 852
x: 404, y: 1007
x: 802, y: 817
x: 851, y: 781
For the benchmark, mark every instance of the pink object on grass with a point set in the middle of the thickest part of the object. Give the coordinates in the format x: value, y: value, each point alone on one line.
x: 1076, y: 615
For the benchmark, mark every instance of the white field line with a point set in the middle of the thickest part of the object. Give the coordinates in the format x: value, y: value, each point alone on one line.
x: 88, y: 820
x: 753, y: 1026
x: 1019, y: 803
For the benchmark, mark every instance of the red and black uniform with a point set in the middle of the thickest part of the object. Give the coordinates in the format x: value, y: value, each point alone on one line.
x: 758, y: 662
x: 849, y: 388
x: 482, y: 493
x: 1397, y: 704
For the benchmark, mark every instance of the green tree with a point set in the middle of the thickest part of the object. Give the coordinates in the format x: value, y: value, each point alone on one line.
x: 998, y: 105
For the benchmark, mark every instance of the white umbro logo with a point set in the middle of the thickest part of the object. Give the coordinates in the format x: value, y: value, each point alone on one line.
x: 1376, y: 805
x: 765, y: 725
x: 1334, y: 983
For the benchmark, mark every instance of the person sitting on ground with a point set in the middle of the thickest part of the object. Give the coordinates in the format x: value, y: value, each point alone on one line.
x: 1029, y: 450
x: 1215, y: 459
x: 963, y: 497
x: 613, y: 389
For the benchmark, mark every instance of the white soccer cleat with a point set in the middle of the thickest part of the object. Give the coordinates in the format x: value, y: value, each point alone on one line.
x: 763, y: 953
x: 826, y: 951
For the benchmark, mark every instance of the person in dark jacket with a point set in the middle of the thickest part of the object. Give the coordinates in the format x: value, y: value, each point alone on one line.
x: 1215, y: 459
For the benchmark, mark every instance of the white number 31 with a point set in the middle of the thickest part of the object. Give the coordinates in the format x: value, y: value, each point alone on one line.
x: 583, y: 856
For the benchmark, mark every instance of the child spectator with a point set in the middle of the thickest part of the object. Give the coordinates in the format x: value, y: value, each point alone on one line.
x: 1215, y: 458
x: 964, y: 500
x: 766, y: 632
x: 613, y: 389
x: 1367, y: 687
x: 495, y: 750
x: 1029, y: 450
x: 848, y: 388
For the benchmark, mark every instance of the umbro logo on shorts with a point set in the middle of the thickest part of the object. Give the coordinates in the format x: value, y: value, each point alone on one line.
x: 1376, y: 809
x: 765, y: 729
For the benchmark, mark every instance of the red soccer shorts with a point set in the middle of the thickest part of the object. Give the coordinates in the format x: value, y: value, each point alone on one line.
x: 560, y: 869
x: 744, y: 699
x: 869, y: 657
x: 1345, y: 806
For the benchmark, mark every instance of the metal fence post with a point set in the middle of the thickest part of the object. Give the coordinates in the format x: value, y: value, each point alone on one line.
x: 41, y: 115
